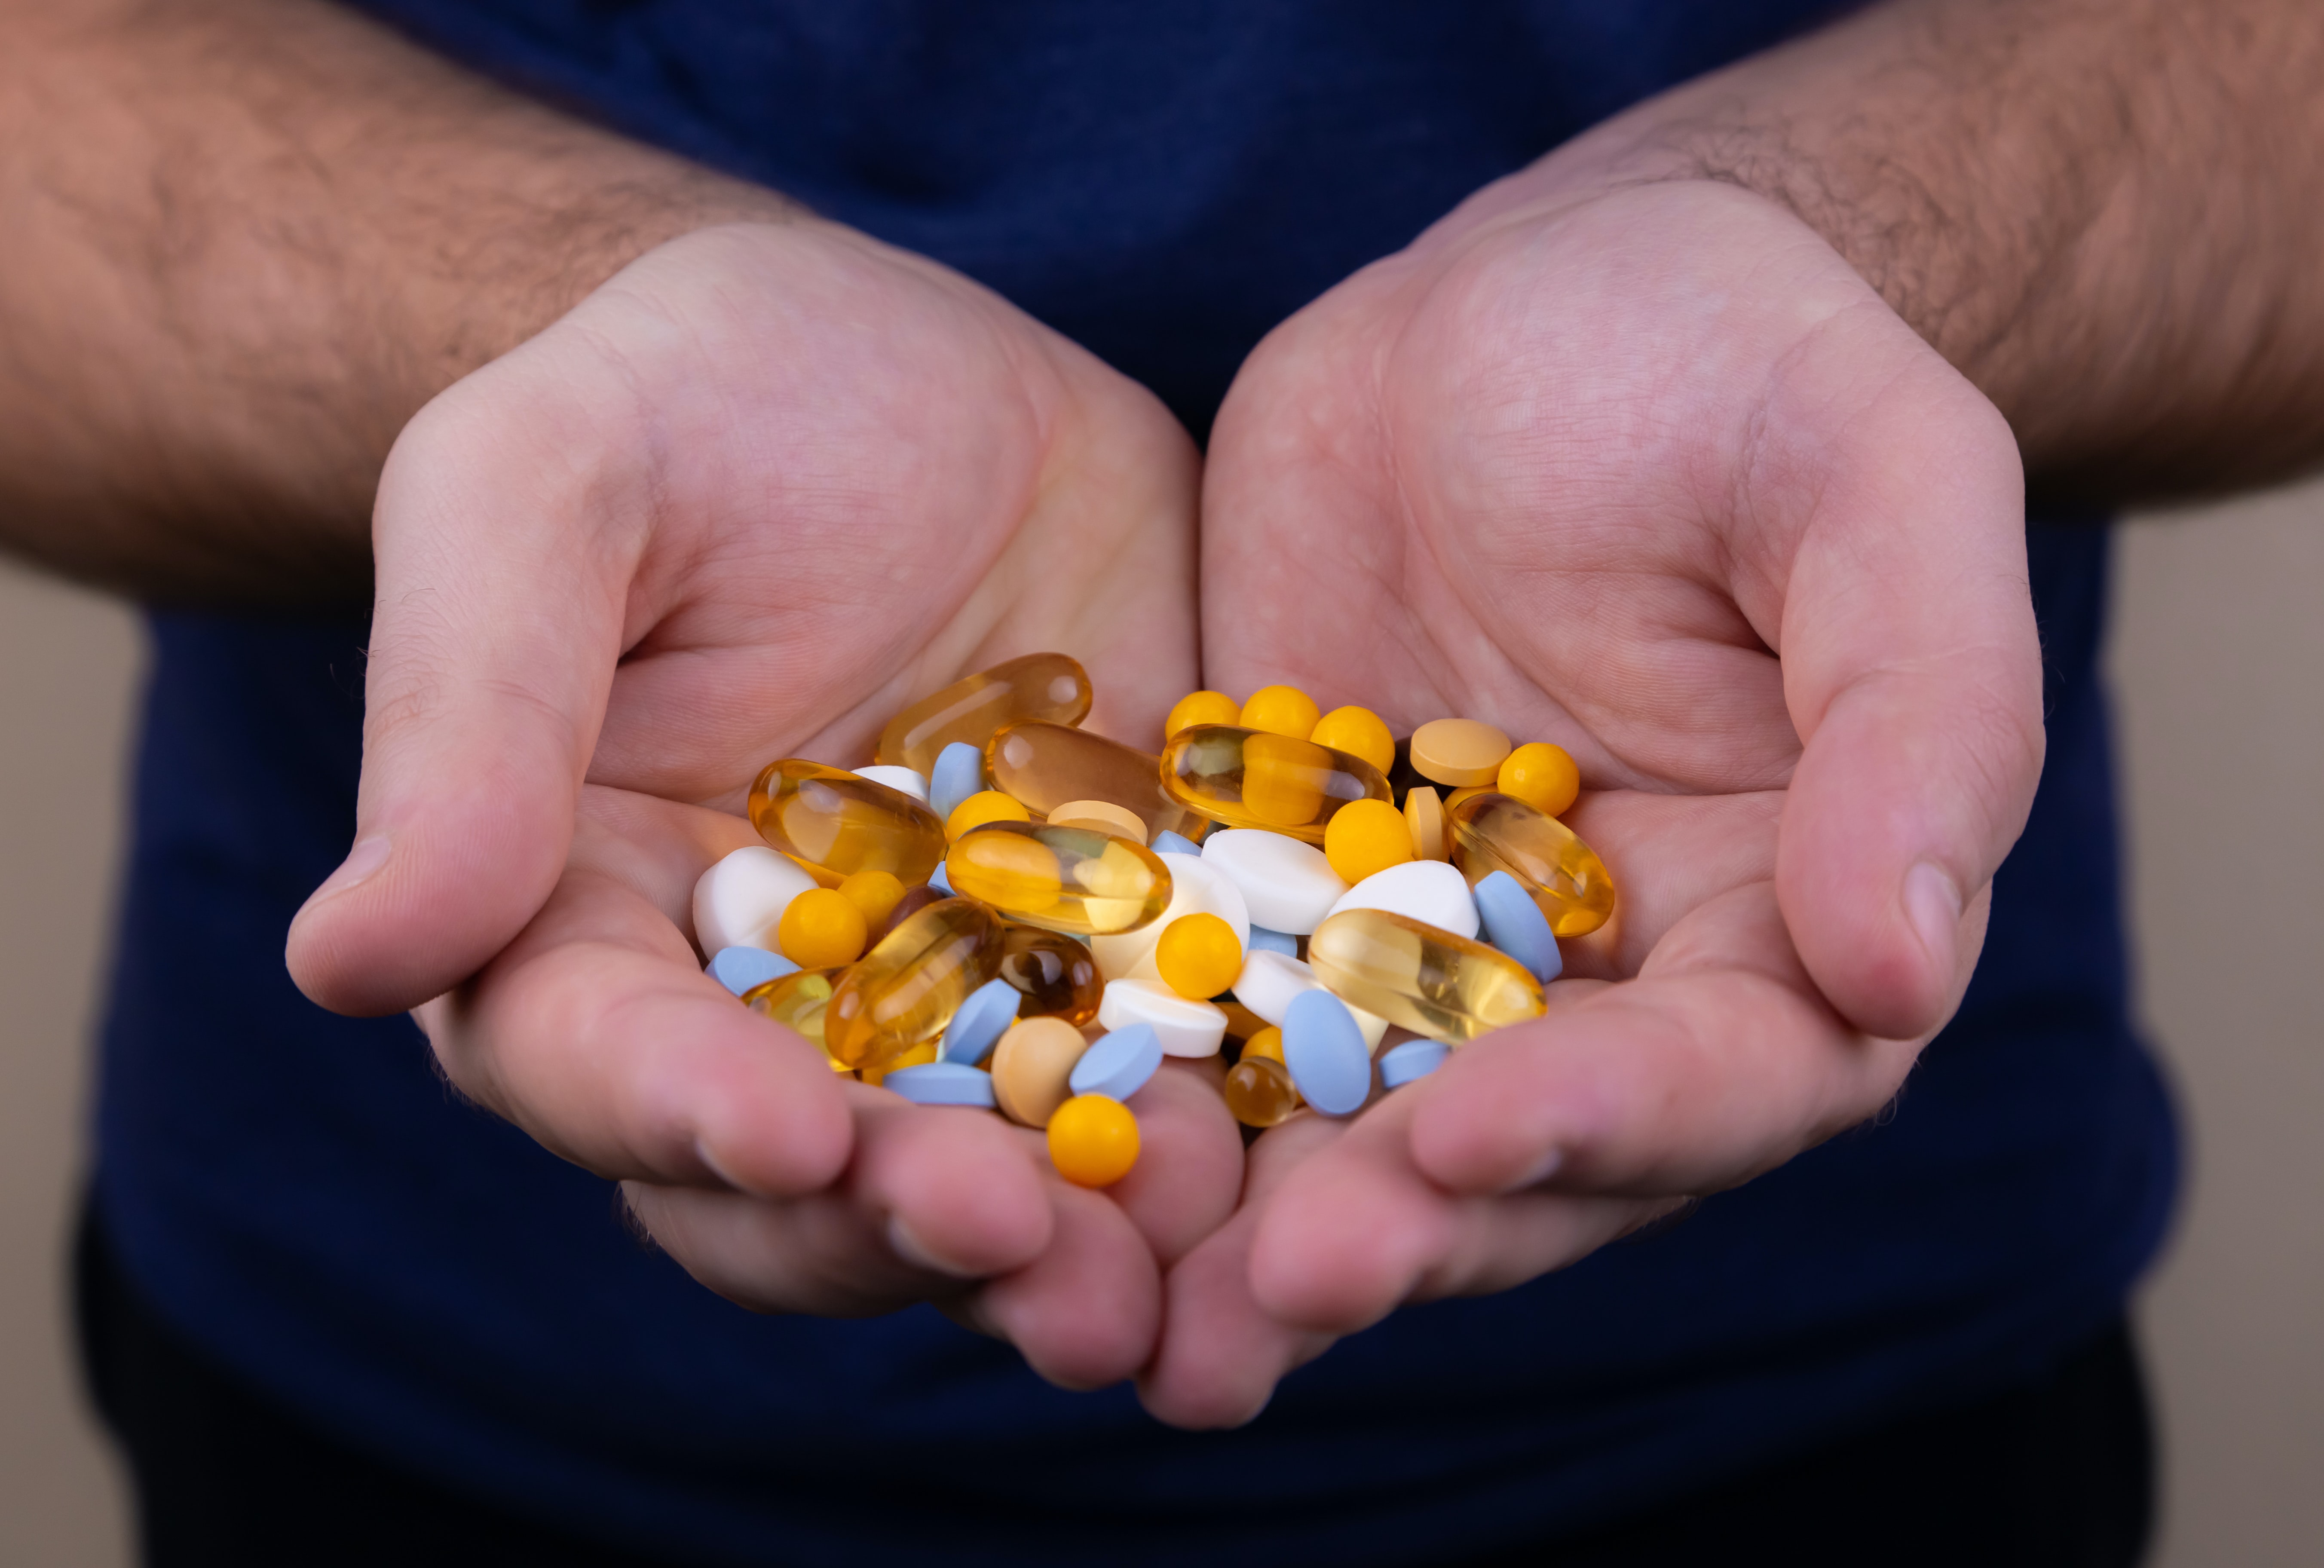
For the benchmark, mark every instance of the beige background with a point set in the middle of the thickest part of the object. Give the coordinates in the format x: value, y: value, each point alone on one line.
x: 2219, y: 664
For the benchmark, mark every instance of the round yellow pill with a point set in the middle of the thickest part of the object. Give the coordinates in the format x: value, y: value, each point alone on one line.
x: 1094, y: 1141
x: 1364, y: 837
x: 1268, y: 1043
x: 876, y: 893
x: 821, y: 930
x: 1542, y: 775
x: 1201, y: 708
x: 1458, y: 751
x: 1198, y: 956
x: 1360, y: 733
x: 985, y: 806
x: 1281, y: 710
x: 1423, y: 813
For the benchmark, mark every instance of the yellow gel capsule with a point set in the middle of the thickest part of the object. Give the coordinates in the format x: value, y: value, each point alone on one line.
x: 1201, y: 708
x: 1245, y: 778
x: 1281, y: 710
x: 1260, y: 1093
x: 1056, y: 975
x: 1038, y: 686
x: 1541, y: 775
x: 837, y: 824
x: 1358, y: 731
x: 1061, y: 878
x: 1365, y: 837
x: 796, y: 1001
x: 1492, y: 832
x: 1048, y: 766
x: 1423, y: 813
x: 1430, y: 981
x: 1104, y: 816
x: 822, y: 928
x: 919, y: 1056
x: 985, y: 806
x: 876, y: 893
x: 1094, y: 1141
x: 905, y: 991
x: 1198, y: 956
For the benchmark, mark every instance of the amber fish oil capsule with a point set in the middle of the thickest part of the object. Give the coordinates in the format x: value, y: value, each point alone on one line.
x: 1050, y: 766
x: 903, y: 992
x: 1073, y: 879
x: 1038, y: 686
x: 1431, y: 981
x: 1057, y: 975
x: 1492, y: 832
x: 798, y: 1001
x: 834, y: 820
x: 1249, y: 778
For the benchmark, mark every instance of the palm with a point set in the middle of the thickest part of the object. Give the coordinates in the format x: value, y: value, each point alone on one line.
x: 1587, y: 472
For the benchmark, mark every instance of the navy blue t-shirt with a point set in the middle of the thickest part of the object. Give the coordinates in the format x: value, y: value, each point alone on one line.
x: 304, y: 1198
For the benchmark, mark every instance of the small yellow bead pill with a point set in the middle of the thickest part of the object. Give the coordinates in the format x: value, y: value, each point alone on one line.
x: 1201, y: 708
x: 1268, y: 1043
x: 1542, y: 775
x: 1458, y: 751
x: 1423, y: 813
x: 1281, y: 710
x: 1360, y: 733
x: 1198, y: 956
x: 1364, y: 837
x: 876, y: 893
x: 821, y: 929
x: 1094, y: 1141
x: 985, y: 806
x: 1452, y: 801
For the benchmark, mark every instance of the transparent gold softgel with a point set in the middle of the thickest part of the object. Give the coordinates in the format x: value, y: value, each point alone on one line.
x: 1492, y: 832
x: 841, y: 823
x: 1038, y: 686
x: 1056, y: 975
x: 1046, y: 765
x: 1249, y: 779
x: 1260, y: 1093
x: 798, y: 1001
x: 1429, y: 981
x: 905, y: 991
x: 1075, y: 880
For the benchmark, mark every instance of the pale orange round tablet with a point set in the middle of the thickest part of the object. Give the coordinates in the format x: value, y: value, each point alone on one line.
x: 1101, y: 816
x: 1423, y: 813
x: 1458, y: 751
x: 1032, y: 1066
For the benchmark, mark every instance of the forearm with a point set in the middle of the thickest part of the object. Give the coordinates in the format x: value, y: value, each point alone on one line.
x: 248, y: 239
x: 2107, y: 213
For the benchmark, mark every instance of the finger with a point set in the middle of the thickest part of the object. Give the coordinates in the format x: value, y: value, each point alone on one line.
x: 1667, y: 854
x: 1085, y: 1312
x: 1912, y: 672
x: 503, y: 555
x: 1719, y: 1061
x: 1190, y: 1162
x: 597, y: 1033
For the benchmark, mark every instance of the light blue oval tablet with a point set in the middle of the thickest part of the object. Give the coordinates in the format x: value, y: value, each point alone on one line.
x: 1168, y: 843
x: 1119, y: 1065
x: 1330, y: 1065
x: 942, y: 1084
x: 980, y: 1023
x: 1263, y: 940
x: 738, y: 969
x: 1413, y: 1060
x: 939, y: 882
x: 1515, y: 924
x: 958, y: 774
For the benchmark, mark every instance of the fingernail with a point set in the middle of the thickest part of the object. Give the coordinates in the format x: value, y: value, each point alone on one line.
x: 710, y: 1161
x: 913, y: 1251
x: 367, y: 857
x: 1542, y: 1169
x: 1933, y: 904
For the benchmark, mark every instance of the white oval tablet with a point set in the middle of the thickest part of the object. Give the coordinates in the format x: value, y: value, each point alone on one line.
x: 1430, y: 891
x: 1186, y: 1027
x: 901, y: 779
x: 738, y: 903
x: 1286, y: 885
x: 1195, y: 889
x: 1269, y: 980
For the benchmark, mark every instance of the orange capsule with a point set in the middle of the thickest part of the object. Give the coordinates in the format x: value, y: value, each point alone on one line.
x: 1249, y: 778
x: 839, y: 823
x: 903, y: 992
x: 1047, y: 765
x: 1492, y: 832
x: 798, y: 1001
x: 1038, y: 686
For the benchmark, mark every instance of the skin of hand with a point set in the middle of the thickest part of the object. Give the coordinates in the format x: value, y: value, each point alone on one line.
x: 637, y: 552
x: 1654, y: 474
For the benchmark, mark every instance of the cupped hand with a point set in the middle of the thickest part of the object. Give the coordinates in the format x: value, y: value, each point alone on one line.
x: 758, y: 492
x: 1650, y: 473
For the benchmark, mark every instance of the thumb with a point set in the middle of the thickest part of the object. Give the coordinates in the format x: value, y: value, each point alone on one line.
x: 496, y: 625
x: 1913, y: 674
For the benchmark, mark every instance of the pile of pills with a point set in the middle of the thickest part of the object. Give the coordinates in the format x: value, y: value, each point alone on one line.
x: 1008, y: 912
